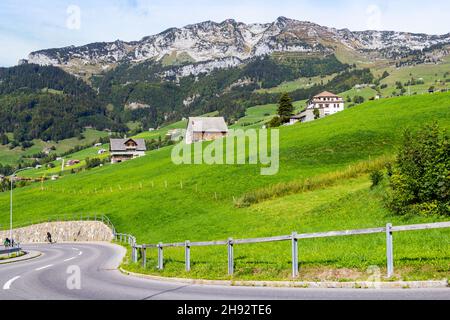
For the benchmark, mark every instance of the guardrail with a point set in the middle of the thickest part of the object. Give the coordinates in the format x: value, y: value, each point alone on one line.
x: 131, y: 241
x: 294, y: 238
x: 10, y: 250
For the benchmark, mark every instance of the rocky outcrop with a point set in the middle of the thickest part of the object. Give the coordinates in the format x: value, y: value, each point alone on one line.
x: 76, y: 231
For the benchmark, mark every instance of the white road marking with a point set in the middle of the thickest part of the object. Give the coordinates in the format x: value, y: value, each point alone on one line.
x: 81, y: 252
x: 75, y: 249
x: 42, y: 268
x: 70, y: 259
x: 7, y: 285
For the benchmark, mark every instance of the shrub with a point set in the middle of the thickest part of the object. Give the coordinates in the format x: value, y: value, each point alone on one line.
x: 316, y: 114
x: 358, y: 99
x: 420, y: 181
x: 376, y: 177
x: 274, y: 123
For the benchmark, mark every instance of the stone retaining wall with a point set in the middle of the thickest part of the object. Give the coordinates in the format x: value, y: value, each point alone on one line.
x: 76, y: 231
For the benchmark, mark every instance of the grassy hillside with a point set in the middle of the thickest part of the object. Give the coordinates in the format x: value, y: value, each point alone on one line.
x: 300, y: 83
x: 158, y: 201
x: 10, y: 157
x: 256, y: 117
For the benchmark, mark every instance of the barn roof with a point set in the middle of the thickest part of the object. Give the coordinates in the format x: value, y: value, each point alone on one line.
x: 207, y: 125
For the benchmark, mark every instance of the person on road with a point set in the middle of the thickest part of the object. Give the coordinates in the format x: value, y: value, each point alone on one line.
x: 7, y: 243
x: 49, y: 237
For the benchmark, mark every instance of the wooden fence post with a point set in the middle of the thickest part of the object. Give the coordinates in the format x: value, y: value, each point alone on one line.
x: 294, y: 255
x: 187, y: 255
x: 389, y: 251
x: 230, y: 257
x: 160, y: 257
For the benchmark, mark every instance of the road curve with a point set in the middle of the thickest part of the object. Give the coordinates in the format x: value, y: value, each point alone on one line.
x: 45, y: 278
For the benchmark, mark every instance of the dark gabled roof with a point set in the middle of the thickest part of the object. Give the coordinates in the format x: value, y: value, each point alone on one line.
x: 117, y: 145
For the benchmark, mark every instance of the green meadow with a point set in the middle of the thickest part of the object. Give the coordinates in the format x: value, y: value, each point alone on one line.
x: 158, y: 201
x: 258, y: 116
x: 11, y: 157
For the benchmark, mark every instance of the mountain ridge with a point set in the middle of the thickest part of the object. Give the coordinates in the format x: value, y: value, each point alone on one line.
x: 236, y: 42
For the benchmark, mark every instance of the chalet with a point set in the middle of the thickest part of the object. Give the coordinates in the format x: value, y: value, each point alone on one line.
x: 72, y: 162
x: 206, y: 129
x: 126, y: 149
x: 326, y: 103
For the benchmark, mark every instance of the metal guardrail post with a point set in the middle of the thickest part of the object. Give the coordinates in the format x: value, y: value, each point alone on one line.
x: 389, y: 251
x: 187, y: 254
x: 160, y: 257
x: 144, y: 257
x: 294, y: 255
x: 135, y: 255
x: 230, y: 246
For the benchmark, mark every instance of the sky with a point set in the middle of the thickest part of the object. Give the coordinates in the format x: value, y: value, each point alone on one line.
x: 30, y: 25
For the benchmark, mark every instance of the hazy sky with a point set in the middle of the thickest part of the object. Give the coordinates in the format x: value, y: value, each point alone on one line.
x: 29, y: 25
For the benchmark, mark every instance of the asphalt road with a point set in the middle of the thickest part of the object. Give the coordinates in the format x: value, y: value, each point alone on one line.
x: 45, y: 278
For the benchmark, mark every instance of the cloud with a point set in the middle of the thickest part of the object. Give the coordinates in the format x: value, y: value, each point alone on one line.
x: 374, y: 16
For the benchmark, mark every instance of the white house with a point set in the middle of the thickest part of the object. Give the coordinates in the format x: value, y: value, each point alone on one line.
x: 327, y: 103
x: 126, y: 149
x: 205, y: 129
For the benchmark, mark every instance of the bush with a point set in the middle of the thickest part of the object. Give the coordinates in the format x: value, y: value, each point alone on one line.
x: 376, y: 177
x: 4, y: 140
x: 420, y: 181
x: 358, y: 99
x: 274, y: 123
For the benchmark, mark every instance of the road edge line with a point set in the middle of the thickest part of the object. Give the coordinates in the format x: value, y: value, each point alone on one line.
x: 431, y: 284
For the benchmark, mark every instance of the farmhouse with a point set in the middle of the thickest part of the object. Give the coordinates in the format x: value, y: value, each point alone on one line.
x: 126, y: 149
x: 326, y: 103
x: 72, y: 162
x: 205, y: 129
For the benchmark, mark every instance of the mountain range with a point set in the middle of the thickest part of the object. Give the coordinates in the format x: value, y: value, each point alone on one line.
x: 203, y: 47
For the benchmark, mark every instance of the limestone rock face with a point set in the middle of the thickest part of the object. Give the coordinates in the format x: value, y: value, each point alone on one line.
x: 209, y: 45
